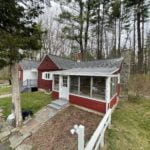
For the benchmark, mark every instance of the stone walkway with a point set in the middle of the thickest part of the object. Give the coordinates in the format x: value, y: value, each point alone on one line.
x: 31, y: 127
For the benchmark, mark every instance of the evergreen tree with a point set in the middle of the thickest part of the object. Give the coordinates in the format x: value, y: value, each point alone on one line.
x: 19, y: 33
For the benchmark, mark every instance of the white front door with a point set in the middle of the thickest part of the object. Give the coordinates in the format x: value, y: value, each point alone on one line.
x: 64, y: 87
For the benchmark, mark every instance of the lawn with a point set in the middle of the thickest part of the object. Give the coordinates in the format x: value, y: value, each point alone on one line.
x: 130, y: 126
x: 33, y: 101
x: 5, y: 90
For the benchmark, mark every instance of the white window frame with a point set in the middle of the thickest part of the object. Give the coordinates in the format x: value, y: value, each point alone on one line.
x: 88, y: 97
x: 47, y: 76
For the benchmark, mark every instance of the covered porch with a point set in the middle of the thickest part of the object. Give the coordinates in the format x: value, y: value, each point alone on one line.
x: 92, y: 88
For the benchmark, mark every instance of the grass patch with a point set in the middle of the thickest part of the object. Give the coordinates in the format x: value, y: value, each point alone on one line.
x: 5, y: 90
x: 130, y: 126
x: 34, y: 101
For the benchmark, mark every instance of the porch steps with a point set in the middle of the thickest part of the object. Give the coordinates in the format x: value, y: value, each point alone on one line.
x: 55, y: 106
x: 59, y: 104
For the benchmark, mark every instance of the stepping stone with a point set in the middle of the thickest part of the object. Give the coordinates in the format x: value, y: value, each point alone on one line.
x: 24, y: 147
x: 4, y: 135
x: 17, y: 139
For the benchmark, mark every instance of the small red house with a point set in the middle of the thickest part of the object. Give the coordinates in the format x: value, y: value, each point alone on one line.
x: 93, y: 85
x: 49, y: 64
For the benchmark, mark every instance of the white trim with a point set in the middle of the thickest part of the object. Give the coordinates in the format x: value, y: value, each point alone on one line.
x: 113, y: 97
x: 90, y: 98
x: 55, y: 91
x: 83, y: 74
x: 107, y: 92
x: 91, y: 85
x: 115, y: 71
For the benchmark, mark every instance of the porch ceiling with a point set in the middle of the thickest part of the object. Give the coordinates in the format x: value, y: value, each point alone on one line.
x: 88, y: 72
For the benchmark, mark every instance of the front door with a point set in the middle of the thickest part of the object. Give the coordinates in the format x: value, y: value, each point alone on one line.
x: 64, y: 87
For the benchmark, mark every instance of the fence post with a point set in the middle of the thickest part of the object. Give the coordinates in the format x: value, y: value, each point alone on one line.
x: 80, y: 132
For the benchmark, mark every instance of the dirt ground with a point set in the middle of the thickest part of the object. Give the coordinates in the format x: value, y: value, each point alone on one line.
x: 55, y: 133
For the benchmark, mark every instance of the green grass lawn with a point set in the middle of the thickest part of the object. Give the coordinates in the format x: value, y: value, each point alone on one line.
x: 34, y: 101
x: 5, y: 90
x: 130, y: 126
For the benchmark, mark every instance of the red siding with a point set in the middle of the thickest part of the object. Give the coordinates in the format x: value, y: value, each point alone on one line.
x: 46, y: 65
x: 44, y: 84
x: 113, y: 101
x: 55, y: 95
x: 88, y: 103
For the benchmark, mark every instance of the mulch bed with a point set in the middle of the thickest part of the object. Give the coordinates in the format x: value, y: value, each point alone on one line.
x: 55, y: 133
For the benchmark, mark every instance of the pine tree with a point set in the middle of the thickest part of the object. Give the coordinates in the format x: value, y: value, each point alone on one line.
x: 19, y: 33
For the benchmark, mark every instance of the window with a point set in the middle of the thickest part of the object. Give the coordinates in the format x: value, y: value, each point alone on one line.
x: 74, y: 84
x: 114, y: 81
x: 93, y: 87
x: 98, y: 87
x: 65, y: 81
x: 85, y: 83
x: 46, y: 76
x: 56, y: 82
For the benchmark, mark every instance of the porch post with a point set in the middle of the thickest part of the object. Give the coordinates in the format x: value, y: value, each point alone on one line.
x: 60, y: 83
x: 107, y: 92
x: 68, y: 83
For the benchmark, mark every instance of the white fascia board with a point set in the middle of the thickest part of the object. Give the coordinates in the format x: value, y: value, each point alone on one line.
x: 84, y: 74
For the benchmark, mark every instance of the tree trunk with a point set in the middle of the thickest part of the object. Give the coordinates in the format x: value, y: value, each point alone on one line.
x: 119, y: 38
x: 16, y: 102
x: 98, y: 35
x: 102, y: 30
x: 87, y: 25
x: 134, y: 42
x: 81, y: 30
x: 140, y: 51
x: 115, y: 41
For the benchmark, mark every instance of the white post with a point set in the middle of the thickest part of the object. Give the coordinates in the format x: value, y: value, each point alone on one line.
x: 107, y: 92
x: 80, y: 132
x: 81, y: 137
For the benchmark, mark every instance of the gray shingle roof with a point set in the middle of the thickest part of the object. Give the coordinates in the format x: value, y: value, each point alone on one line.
x: 106, y: 63
x: 29, y: 64
x: 63, y: 63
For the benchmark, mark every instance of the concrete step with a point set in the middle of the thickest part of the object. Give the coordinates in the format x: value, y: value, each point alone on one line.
x: 55, y: 106
x: 60, y: 102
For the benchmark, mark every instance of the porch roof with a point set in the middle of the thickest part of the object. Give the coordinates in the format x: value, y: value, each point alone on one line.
x: 96, y: 71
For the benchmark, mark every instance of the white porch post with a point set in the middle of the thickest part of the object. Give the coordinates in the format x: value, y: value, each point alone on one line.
x: 79, y: 130
x: 107, y: 92
x: 60, y: 84
x: 68, y: 83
